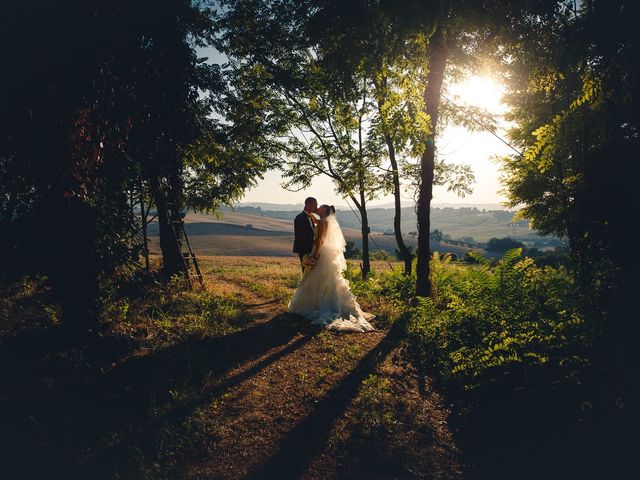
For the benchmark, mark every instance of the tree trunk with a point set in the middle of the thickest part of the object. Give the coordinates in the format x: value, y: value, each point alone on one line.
x: 397, y: 229
x: 366, y: 263
x: 437, y: 63
x: 143, y: 219
x: 74, y: 274
x: 172, y: 260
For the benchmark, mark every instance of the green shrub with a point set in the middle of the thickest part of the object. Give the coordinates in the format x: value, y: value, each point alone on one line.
x: 387, y: 292
x: 487, y: 323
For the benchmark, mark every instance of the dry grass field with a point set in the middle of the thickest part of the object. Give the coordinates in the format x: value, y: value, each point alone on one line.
x: 273, y: 277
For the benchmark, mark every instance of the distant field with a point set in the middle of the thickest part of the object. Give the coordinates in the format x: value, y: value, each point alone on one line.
x: 276, y: 246
x: 456, y: 222
x: 244, y: 219
x: 251, y: 235
x: 236, y: 245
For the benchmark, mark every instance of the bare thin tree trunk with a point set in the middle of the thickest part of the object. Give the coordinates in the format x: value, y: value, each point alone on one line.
x: 397, y: 219
x: 366, y: 263
x: 143, y: 217
x: 397, y: 228
x: 433, y: 88
x: 72, y: 224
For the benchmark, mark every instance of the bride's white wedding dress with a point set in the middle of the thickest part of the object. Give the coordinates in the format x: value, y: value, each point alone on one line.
x: 323, y: 295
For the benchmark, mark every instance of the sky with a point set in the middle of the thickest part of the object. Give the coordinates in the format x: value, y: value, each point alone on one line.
x: 454, y: 144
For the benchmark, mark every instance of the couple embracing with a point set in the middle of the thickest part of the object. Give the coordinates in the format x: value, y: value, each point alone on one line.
x: 323, y: 295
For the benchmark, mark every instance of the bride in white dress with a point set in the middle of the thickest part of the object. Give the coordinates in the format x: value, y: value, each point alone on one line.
x: 323, y: 295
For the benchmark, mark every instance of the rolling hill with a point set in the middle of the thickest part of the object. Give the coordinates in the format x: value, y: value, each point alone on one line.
x: 250, y: 230
x: 480, y: 224
x: 238, y: 233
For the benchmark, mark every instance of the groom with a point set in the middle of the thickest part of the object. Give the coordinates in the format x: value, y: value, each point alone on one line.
x: 303, y: 229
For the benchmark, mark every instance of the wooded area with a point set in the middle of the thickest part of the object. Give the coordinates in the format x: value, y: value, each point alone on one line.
x: 109, y: 117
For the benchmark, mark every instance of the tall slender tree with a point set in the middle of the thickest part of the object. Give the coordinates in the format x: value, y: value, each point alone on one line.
x: 317, y: 121
x: 458, y: 35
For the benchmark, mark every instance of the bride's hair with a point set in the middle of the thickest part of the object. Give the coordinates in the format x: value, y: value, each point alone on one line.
x: 330, y: 208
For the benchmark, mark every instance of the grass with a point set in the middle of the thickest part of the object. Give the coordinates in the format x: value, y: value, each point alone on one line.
x: 211, y: 383
x: 167, y: 314
x: 27, y: 305
x: 272, y: 277
x: 218, y: 382
x: 267, y: 277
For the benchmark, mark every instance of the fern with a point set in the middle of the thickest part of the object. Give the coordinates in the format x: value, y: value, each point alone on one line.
x: 486, y: 322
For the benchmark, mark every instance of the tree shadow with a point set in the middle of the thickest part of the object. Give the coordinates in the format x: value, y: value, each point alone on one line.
x: 64, y: 418
x: 308, y: 438
x: 214, y: 391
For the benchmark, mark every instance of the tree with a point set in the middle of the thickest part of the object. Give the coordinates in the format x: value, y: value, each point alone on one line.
x: 113, y: 115
x: 503, y: 244
x: 397, y: 66
x: 573, y: 90
x: 454, y: 32
x: 352, y: 251
x: 319, y: 118
x: 432, y: 25
x: 437, y: 52
x: 340, y: 146
x: 436, y: 236
x: 447, y: 44
x: 392, y: 41
x: 66, y: 181
x: 169, y: 116
x: 400, y: 255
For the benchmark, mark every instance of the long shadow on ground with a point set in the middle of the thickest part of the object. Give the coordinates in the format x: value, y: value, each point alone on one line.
x: 63, y: 418
x: 308, y: 438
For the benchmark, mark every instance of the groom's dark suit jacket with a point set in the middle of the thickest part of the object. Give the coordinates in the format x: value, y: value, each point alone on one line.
x: 303, y: 235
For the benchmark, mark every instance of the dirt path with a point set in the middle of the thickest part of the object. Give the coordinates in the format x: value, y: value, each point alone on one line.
x: 320, y: 405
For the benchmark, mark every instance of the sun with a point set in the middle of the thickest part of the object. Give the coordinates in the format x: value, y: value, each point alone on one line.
x: 479, y: 91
